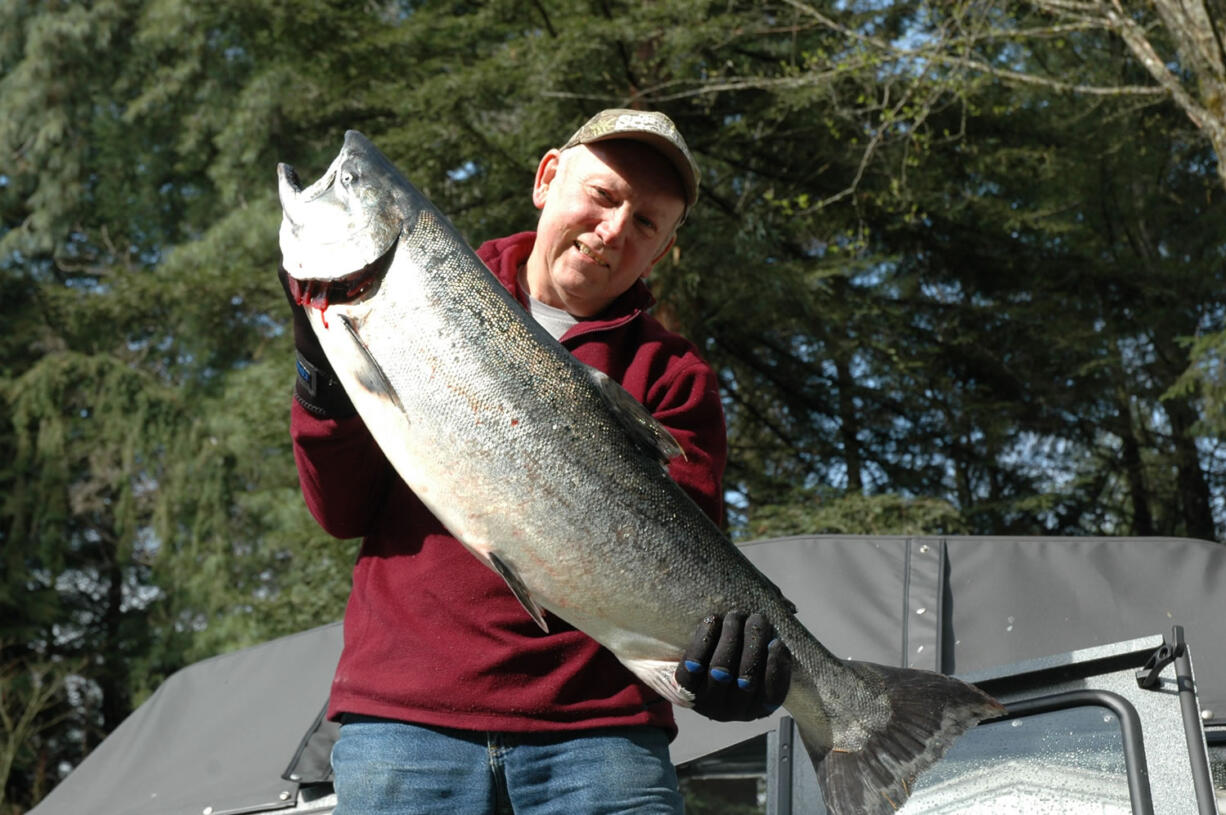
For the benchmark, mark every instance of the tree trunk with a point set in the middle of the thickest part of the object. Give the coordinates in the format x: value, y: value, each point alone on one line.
x: 1193, y: 489
x: 849, y: 427
x: 1130, y: 454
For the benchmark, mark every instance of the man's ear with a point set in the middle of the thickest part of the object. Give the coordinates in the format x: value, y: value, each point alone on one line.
x: 546, y: 172
x: 669, y: 245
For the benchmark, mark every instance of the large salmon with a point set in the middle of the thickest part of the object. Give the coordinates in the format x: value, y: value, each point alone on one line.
x: 553, y: 476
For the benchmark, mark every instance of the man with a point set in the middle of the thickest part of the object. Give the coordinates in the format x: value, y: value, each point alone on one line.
x: 450, y: 697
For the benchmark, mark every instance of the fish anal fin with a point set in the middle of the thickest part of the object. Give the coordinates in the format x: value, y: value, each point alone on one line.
x: 644, y: 427
x: 661, y: 676
x: 519, y: 590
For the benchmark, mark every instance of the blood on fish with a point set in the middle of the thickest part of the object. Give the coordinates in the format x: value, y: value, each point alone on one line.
x: 311, y: 294
x: 320, y: 294
x: 320, y: 301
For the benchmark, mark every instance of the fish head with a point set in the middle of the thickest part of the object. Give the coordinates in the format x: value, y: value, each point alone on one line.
x: 348, y: 219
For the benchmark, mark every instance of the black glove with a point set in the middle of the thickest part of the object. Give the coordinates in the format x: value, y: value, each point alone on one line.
x: 316, y: 387
x: 736, y: 667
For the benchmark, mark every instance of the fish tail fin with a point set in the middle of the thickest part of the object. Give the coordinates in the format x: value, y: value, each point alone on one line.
x: 927, y: 712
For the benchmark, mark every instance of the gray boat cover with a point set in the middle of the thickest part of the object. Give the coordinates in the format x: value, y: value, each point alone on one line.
x: 240, y: 732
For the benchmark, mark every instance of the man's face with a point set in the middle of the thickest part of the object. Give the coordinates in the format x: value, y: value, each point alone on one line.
x: 609, y: 211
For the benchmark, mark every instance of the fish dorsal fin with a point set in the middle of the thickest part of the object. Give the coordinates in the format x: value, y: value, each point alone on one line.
x: 519, y: 590
x: 643, y: 427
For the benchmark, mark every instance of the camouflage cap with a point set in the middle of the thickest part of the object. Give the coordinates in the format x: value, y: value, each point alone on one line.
x: 647, y: 126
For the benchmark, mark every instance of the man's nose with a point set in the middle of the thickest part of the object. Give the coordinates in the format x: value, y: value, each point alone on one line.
x: 613, y: 225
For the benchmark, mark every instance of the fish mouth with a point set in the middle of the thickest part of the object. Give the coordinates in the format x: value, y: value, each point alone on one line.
x: 290, y: 186
x: 354, y: 287
x: 288, y: 178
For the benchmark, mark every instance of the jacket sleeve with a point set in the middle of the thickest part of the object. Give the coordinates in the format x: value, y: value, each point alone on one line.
x: 688, y: 405
x: 343, y: 473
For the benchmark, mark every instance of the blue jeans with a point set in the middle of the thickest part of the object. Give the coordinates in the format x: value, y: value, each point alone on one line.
x: 383, y: 767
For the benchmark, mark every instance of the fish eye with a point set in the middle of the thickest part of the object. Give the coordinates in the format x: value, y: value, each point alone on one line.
x: 348, y: 175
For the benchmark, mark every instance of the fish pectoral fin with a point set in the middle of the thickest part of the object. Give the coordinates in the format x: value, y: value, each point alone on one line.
x: 661, y: 676
x: 371, y: 375
x: 644, y: 427
x: 519, y: 590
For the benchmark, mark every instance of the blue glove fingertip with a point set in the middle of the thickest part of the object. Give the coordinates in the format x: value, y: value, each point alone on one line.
x: 720, y: 675
x: 694, y: 667
x: 743, y: 683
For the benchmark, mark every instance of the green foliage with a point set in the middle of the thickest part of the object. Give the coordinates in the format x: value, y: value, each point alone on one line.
x: 1205, y: 378
x: 31, y: 703
x: 247, y: 563
x: 828, y: 512
x: 706, y: 796
x: 89, y: 434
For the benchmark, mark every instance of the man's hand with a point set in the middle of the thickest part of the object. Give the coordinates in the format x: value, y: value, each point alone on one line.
x: 736, y: 668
